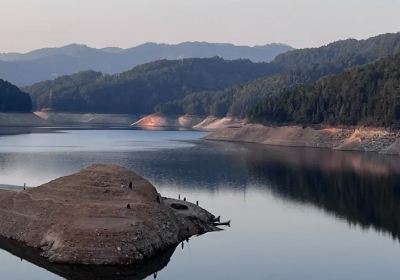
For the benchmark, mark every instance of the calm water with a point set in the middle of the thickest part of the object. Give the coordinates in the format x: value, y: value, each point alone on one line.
x: 296, y: 213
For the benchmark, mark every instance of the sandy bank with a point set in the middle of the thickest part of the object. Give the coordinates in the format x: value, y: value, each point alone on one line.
x: 56, y: 118
x: 213, y: 123
x: 354, y: 139
x: 21, y: 119
x: 101, y: 215
x: 158, y: 120
x: 209, y: 123
x: 39, y: 119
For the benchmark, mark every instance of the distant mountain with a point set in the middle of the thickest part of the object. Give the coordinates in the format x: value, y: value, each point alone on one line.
x: 294, y: 68
x: 141, y: 89
x: 49, y: 63
x: 12, y: 99
x: 367, y: 95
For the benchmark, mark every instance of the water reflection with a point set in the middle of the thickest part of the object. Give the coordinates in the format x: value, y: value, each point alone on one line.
x: 269, y: 192
x: 362, y: 188
x: 85, y: 272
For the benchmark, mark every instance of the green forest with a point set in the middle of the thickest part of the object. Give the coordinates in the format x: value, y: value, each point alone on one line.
x: 143, y: 88
x: 294, y: 68
x: 12, y: 99
x: 366, y: 95
x: 347, y: 82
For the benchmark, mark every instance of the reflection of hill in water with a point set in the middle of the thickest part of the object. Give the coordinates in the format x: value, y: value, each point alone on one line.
x: 85, y: 272
x: 363, y: 188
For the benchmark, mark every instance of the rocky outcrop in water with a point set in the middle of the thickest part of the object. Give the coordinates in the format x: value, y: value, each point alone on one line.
x: 104, y: 215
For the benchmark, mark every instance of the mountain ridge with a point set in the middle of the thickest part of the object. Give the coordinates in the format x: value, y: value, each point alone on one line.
x: 49, y: 63
x: 297, y: 67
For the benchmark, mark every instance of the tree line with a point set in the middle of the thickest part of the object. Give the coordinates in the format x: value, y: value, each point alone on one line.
x: 12, y: 99
x: 366, y: 95
x: 142, y: 89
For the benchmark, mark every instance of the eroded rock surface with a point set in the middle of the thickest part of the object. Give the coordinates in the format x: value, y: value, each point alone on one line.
x: 97, y: 216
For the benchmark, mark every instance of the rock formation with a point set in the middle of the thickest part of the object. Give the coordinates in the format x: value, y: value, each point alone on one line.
x: 84, y: 218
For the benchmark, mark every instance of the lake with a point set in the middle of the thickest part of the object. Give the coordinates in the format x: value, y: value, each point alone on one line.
x: 296, y: 213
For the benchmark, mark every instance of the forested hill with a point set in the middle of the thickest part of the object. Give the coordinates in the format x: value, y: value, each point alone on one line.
x: 12, y: 99
x: 298, y: 67
x: 207, y: 86
x: 367, y: 95
x: 308, y: 65
x: 139, y: 90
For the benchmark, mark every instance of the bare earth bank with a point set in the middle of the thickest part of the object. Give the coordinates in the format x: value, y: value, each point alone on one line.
x: 367, y: 139
x: 59, y: 118
x: 40, y: 119
x: 21, y: 120
x: 209, y: 123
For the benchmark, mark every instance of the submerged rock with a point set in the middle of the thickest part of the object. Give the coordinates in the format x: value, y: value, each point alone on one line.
x: 84, y: 218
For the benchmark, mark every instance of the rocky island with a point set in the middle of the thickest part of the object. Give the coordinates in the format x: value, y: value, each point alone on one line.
x: 102, y: 215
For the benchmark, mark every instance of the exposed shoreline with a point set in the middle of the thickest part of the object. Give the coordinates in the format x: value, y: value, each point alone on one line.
x: 366, y: 139
x: 52, y: 119
x: 201, y: 123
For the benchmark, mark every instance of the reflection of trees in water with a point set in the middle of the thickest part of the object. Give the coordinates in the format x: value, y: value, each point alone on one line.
x: 362, y: 188
x: 207, y: 166
x: 85, y: 272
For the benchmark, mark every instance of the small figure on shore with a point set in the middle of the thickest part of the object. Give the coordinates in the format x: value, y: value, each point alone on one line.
x: 24, y: 186
x: 155, y: 275
x: 184, y: 199
x: 183, y: 246
x: 128, y: 206
x: 130, y: 186
x: 179, y: 196
x: 197, y: 202
x: 158, y: 199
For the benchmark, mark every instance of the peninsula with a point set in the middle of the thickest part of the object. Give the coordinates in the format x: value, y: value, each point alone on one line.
x: 102, y: 215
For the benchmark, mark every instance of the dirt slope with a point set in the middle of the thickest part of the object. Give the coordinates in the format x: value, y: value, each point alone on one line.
x: 368, y: 139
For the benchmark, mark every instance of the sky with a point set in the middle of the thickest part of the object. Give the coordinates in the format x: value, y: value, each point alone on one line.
x: 32, y: 24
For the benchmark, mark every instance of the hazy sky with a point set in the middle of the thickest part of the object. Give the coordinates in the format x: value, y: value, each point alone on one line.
x: 30, y: 24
